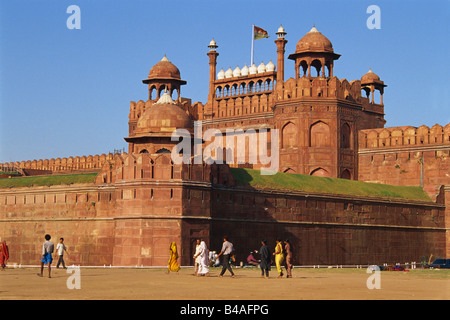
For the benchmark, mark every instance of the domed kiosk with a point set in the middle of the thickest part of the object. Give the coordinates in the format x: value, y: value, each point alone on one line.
x: 314, y: 50
x: 164, y: 75
x: 371, y: 82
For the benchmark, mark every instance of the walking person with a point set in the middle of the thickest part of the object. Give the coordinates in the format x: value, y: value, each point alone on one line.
x: 197, y: 257
x: 47, y: 250
x: 4, y: 254
x: 203, y: 269
x: 227, y: 252
x: 173, y: 264
x: 289, y: 258
x: 60, y: 248
x: 265, y: 259
x: 279, y: 257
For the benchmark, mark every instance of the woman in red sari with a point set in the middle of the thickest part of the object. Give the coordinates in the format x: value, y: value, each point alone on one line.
x: 4, y: 254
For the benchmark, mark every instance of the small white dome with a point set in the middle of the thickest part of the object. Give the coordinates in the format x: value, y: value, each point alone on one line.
x: 253, y: 69
x: 237, y: 72
x: 280, y: 29
x: 212, y: 43
x: 221, y: 74
x: 261, y: 68
x: 229, y: 73
x: 244, y: 71
x: 270, y: 66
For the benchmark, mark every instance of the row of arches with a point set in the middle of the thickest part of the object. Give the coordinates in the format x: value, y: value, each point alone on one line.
x: 322, y: 69
x: 321, y: 172
x: 159, y: 89
x: 250, y: 87
x: 319, y: 135
x: 243, y: 106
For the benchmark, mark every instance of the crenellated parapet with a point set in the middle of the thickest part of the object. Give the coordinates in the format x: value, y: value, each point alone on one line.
x: 135, y: 168
x: 406, y: 136
x: 83, y: 163
x: 319, y: 87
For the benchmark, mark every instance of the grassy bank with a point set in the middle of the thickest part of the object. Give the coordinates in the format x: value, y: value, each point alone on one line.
x: 298, y: 182
x: 50, y: 180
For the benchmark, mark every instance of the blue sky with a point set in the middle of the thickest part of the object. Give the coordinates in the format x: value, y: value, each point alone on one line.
x: 67, y: 92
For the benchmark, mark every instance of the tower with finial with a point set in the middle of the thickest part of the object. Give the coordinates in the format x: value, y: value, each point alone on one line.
x: 212, y: 54
x: 281, y: 45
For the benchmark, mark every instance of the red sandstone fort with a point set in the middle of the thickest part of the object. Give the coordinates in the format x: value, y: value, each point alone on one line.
x: 136, y: 203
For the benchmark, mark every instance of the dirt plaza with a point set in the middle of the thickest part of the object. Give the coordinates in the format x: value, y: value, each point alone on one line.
x: 154, y: 284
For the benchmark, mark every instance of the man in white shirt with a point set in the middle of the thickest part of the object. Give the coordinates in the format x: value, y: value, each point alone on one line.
x: 60, y: 248
x: 228, y: 253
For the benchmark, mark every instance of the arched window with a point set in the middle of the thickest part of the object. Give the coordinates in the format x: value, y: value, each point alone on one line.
x: 163, y: 150
x: 345, y: 136
x: 289, y: 135
x: 317, y: 65
x: 346, y: 174
x: 143, y: 151
x: 242, y: 88
x: 319, y: 135
x: 320, y: 172
x: 303, y: 67
x: 219, y: 92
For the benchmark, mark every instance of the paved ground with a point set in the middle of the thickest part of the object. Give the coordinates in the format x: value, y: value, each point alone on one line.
x: 155, y: 284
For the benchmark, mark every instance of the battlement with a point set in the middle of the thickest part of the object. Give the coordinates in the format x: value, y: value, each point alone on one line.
x: 316, y: 87
x: 160, y: 167
x: 83, y: 163
x: 406, y: 136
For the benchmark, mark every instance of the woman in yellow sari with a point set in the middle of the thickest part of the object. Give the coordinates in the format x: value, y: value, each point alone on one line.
x: 173, y: 264
x: 279, y: 257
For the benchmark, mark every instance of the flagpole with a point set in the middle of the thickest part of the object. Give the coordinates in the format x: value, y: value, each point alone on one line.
x: 253, y: 38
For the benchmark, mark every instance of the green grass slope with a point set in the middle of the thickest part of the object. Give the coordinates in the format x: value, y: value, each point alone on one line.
x: 298, y: 182
x: 50, y: 180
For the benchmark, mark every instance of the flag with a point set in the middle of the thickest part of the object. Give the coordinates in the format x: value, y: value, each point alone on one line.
x: 259, y: 33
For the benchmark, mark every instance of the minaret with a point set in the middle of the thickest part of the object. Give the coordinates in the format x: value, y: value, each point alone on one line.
x: 212, y: 54
x: 281, y: 44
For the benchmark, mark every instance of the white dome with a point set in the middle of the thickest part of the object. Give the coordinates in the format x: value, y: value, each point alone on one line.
x: 270, y: 66
x: 261, y: 68
x: 221, y: 74
x: 253, y: 69
x: 229, y: 73
x: 280, y: 29
x: 244, y: 71
x: 212, y: 43
x: 237, y: 72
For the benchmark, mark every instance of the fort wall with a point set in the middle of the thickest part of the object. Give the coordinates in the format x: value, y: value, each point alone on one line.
x: 406, y: 156
x: 325, y: 229
x: 132, y: 212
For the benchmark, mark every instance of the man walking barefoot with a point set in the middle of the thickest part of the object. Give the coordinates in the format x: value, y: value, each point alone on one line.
x: 47, y: 250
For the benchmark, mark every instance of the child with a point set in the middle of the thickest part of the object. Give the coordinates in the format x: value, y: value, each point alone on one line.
x: 47, y: 250
x: 60, y: 248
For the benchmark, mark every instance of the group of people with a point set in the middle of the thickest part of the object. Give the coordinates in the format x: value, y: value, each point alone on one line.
x: 282, y: 256
x: 47, y: 251
x: 202, y: 258
x: 46, y: 257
